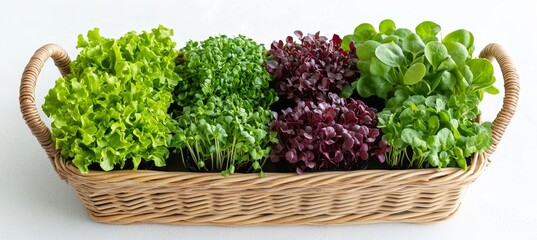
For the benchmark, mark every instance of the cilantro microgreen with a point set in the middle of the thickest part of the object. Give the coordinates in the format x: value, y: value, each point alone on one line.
x: 224, y: 95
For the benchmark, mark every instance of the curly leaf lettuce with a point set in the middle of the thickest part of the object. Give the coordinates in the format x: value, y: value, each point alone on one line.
x: 112, y: 107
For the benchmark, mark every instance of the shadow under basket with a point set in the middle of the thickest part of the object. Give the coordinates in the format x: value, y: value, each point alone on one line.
x: 319, y: 198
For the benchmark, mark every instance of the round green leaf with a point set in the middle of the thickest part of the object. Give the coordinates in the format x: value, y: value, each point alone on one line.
x: 363, y: 65
x: 406, y: 116
x: 364, y: 32
x: 448, y: 64
x: 256, y: 165
x: 444, y: 156
x: 379, y: 37
x: 366, y: 50
x: 466, y: 78
x: 364, y: 88
x: 225, y: 173
x: 346, y: 92
x: 412, y: 137
x: 391, y: 39
x: 345, y: 42
x: 433, y: 124
x: 414, y: 74
x: 373, y: 85
x: 444, y: 117
x: 387, y: 26
x: 482, y: 71
x: 459, y: 156
x: 400, y: 96
x: 446, y: 138
x: 378, y: 68
x: 390, y: 54
x: 492, y: 90
x: 461, y: 36
x: 427, y: 29
x: 461, y: 162
x: 457, y: 51
x: 418, y: 123
x: 435, y: 53
x: 433, y: 159
x: 402, y: 32
x: 398, y: 143
x: 433, y: 142
x: 413, y: 43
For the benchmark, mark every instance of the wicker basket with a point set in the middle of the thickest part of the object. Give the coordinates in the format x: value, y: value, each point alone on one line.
x: 367, y: 196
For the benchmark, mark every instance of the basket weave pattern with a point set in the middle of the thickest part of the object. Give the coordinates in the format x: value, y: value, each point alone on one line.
x: 367, y: 196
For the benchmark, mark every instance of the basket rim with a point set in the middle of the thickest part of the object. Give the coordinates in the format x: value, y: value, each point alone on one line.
x: 308, y: 180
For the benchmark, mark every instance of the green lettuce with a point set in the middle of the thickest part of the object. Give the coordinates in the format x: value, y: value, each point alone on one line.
x: 112, y: 107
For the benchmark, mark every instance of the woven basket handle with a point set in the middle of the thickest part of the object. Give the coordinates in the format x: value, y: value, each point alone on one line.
x: 27, y: 92
x: 512, y: 89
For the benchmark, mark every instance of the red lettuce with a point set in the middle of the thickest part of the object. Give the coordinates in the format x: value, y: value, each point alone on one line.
x: 308, y: 70
x: 336, y: 134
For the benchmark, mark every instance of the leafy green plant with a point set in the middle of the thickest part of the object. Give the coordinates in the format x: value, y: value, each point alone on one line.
x: 431, y: 88
x: 223, y: 98
x: 112, y: 107
x: 225, y: 134
x: 399, y: 62
x: 221, y: 66
x: 434, y: 131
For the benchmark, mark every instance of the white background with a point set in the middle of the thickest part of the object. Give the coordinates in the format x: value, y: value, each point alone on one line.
x: 36, y: 204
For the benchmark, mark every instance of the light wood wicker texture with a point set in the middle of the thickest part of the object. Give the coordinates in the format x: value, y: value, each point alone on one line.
x: 322, y: 198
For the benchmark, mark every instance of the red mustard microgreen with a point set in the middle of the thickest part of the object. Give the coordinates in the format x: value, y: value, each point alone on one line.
x: 337, y: 134
x: 308, y: 70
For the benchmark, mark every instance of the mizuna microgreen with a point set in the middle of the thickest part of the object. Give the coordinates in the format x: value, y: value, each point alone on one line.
x: 223, y: 97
